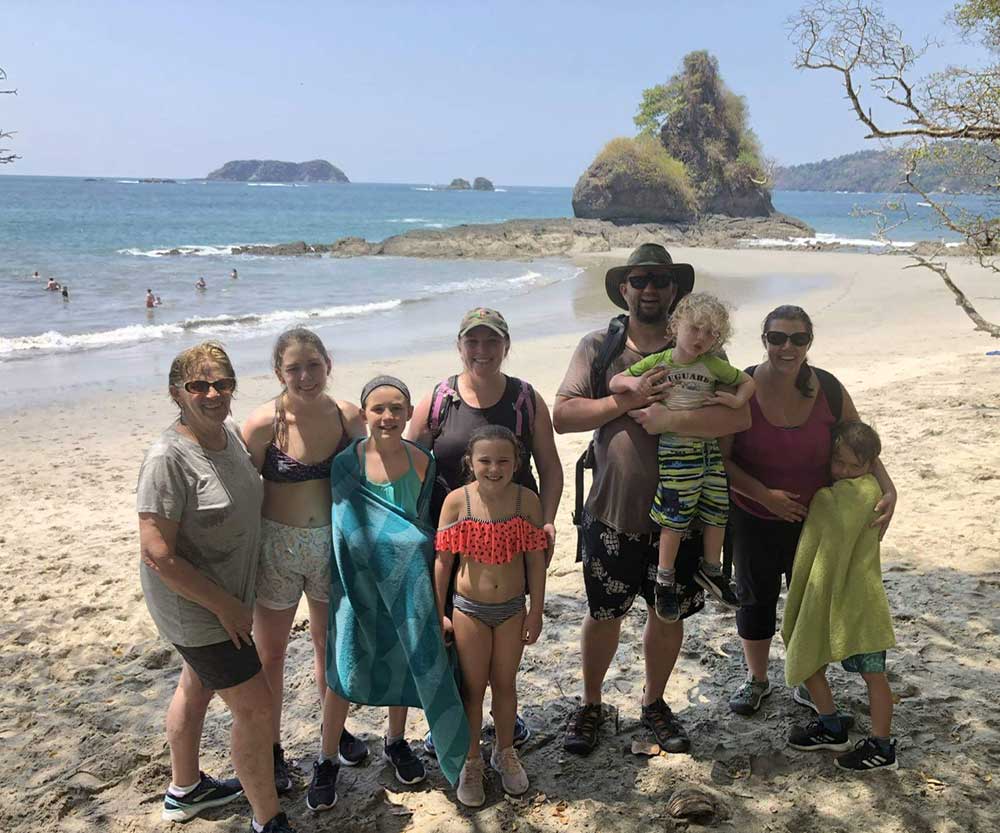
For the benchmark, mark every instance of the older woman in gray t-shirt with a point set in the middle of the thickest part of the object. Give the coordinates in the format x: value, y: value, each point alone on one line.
x: 199, y: 499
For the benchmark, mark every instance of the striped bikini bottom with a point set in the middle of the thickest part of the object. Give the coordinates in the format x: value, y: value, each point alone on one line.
x: 491, y: 614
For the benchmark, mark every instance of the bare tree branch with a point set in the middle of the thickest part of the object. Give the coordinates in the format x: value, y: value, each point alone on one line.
x: 6, y: 156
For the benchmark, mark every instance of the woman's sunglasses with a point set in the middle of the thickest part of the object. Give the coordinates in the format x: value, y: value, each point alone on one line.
x: 642, y: 281
x: 778, y: 338
x: 224, y: 385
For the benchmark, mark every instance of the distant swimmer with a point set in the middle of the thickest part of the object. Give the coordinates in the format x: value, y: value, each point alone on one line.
x: 150, y: 299
x: 36, y: 276
x: 234, y: 275
x: 65, y: 292
x: 200, y: 284
x: 53, y: 285
x: 158, y: 302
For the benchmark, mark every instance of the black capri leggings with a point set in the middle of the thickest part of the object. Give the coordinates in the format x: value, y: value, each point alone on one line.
x: 763, y: 551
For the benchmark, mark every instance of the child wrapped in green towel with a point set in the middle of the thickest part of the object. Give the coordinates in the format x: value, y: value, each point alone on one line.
x: 837, y: 609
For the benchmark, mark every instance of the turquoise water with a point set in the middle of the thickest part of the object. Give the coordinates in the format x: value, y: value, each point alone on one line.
x: 107, y: 241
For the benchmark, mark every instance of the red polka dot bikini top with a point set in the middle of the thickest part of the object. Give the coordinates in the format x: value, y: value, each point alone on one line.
x: 491, y: 542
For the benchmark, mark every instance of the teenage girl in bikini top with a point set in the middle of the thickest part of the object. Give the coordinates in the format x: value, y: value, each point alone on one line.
x: 493, y: 526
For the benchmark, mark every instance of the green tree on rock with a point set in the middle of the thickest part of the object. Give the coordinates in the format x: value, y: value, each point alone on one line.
x: 703, y: 123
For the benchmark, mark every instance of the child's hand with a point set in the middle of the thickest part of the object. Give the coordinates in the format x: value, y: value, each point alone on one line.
x: 883, y: 513
x: 730, y: 400
x: 447, y: 630
x: 653, y: 384
x: 532, y: 627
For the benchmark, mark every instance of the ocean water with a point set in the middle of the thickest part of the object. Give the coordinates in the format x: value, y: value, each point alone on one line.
x: 107, y: 240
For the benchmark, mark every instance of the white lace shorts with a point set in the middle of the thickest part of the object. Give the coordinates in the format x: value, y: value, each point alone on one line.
x: 293, y: 560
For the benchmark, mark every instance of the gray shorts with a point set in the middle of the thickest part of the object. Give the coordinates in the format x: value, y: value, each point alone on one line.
x: 293, y: 560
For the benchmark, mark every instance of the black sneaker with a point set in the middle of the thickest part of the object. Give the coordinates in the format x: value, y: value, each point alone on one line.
x: 667, y: 606
x: 868, y: 755
x: 409, y: 768
x: 583, y: 728
x: 667, y: 730
x: 353, y: 751
x: 817, y: 736
x: 279, y: 824
x: 718, y: 588
x: 282, y: 771
x: 209, y: 793
x: 522, y: 733
x: 322, y: 793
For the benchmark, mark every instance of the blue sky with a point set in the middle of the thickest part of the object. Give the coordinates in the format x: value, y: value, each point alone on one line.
x: 520, y: 92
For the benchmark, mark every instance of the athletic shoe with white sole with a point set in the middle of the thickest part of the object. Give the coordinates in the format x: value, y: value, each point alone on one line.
x: 322, y: 793
x: 817, y: 736
x: 867, y: 756
x: 210, y: 792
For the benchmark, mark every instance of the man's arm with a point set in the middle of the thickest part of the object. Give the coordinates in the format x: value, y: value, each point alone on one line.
x: 578, y: 413
x: 707, y: 423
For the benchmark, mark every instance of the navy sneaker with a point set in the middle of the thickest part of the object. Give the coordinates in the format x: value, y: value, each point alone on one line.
x: 322, y: 793
x: 353, y: 751
x: 209, y: 793
x: 868, y: 755
x: 279, y: 824
x: 522, y: 734
x: 282, y: 771
x: 409, y: 768
x: 817, y: 736
x: 666, y: 602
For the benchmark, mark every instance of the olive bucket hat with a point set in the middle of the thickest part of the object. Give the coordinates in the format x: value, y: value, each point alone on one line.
x: 654, y: 258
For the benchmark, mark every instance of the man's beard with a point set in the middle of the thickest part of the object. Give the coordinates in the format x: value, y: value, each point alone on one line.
x: 649, y: 316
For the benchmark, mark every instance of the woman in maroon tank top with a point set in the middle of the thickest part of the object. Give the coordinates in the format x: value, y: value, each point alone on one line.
x: 775, y: 467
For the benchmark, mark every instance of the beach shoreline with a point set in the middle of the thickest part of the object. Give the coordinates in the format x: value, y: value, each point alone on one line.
x: 84, y: 679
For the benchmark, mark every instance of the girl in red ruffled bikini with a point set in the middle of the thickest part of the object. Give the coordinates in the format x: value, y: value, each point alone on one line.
x: 494, y: 527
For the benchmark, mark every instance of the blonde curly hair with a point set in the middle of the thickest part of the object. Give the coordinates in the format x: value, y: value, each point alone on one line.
x: 705, y: 310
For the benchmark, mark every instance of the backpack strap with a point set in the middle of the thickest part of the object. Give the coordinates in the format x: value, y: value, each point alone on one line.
x: 610, y: 349
x: 444, y: 395
x: 524, y: 407
x: 833, y: 391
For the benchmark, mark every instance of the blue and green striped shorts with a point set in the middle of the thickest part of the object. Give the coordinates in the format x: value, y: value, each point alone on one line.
x: 692, y: 483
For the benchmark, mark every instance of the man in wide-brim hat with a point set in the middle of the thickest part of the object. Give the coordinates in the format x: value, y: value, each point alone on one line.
x: 618, y: 541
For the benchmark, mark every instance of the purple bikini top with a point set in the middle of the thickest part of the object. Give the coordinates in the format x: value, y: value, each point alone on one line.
x: 280, y: 467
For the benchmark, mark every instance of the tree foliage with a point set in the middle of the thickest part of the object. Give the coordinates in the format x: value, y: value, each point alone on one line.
x: 855, y: 40
x: 703, y: 123
x: 6, y: 156
x: 644, y: 163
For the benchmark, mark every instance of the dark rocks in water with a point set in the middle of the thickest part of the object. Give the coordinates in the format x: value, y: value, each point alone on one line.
x: 157, y: 181
x: 481, y: 183
x: 270, y: 170
x: 459, y: 185
x: 518, y: 239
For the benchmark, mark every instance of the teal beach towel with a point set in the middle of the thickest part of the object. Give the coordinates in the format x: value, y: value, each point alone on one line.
x: 384, y: 645
x: 836, y: 606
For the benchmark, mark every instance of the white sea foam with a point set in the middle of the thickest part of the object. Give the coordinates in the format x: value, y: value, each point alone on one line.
x: 500, y: 190
x: 427, y: 188
x: 825, y: 239
x: 433, y: 225
x: 128, y: 181
x: 56, y: 342
x: 270, y: 184
x: 199, y: 251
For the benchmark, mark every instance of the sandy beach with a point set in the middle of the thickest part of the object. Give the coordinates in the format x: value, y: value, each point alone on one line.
x: 84, y: 678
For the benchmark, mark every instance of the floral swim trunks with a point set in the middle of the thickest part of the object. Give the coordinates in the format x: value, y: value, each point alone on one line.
x: 872, y: 663
x: 293, y: 560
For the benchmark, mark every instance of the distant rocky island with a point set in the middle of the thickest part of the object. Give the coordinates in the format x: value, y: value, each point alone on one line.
x: 481, y: 183
x: 881, y: 171
x: 270, y: 170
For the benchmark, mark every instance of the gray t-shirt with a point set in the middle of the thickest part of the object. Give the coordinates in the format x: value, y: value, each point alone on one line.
x: 625, y: 467
x: 215, y: 497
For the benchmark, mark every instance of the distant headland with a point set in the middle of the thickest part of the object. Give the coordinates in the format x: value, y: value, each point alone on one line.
x: 271, y: 170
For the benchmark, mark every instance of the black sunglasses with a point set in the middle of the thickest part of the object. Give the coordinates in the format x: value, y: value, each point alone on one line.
x: 642, y: 281
x: 225, y: 385
x: 777, y: 338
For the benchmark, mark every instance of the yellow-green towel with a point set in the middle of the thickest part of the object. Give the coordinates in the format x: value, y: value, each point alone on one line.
x: 836, y: 606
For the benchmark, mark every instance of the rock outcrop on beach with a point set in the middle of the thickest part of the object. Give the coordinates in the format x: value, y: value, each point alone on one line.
x: 270, y: 170
x: 481, y: 183
x: 459, y: 184
x: 694, y: 155
x: 515, y: 239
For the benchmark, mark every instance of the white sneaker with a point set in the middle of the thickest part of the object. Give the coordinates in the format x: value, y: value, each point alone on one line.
x: 470, y: 783
x: 512, y: 774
